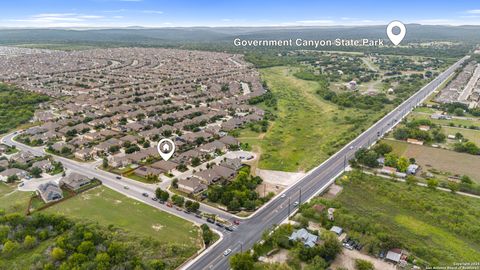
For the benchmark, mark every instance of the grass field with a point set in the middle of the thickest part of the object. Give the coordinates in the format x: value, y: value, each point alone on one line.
x: 108, y: 207
x: 437, y: 227
x: 12, y: 200
x: 307, y: 129
x: 439, y: 159
x: 470, y: 134
x: 456, y: 122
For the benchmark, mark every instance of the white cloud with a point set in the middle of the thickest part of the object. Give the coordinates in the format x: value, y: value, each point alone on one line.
x: 152, y: 11
x: 473, y: 11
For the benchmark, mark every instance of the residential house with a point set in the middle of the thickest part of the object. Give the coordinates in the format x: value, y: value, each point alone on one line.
x: 192, y: 185
x: 224, y: 172
x: 308, y: 239
x: 75, y: 181
x: 146, y: 171
x: 229, y: 140
x: 12, y: 171
x: 84, y: 154
x: 165, y: 165
x: 208, y: 176
x: 45, y: 165
x: 232, y: 163
x: 22, y: 157
x: 50, y: 192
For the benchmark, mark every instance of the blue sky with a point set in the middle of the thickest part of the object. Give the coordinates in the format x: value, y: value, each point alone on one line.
x: 183, y: 13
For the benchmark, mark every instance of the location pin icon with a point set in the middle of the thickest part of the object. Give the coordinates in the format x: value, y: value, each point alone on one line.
x: 166, y: 148
x: 396, y: 38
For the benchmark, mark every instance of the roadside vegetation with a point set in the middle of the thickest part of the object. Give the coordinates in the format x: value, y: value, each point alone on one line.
x: 437, y: 228
x: 16, y: 106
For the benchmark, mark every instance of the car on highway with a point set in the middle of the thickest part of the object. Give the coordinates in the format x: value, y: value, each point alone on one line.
x: 126, y: 187
x: 118, y: 177
x: 145, y: 194
x: 295, y: 203
x: 226, y: 252
x: 283, y: 195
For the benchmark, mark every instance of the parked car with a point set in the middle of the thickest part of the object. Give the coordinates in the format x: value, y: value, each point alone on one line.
x: 118, y: 177
x: 169, y: 204
x: 236, y: 222
x: 198, y: 216
x: 226, y: 252
x: 161, y: 202
x: 219, y: 224
x: 154, y: 199
x: 210, y: 220
x: 145, y: 194
x: 229, y: 228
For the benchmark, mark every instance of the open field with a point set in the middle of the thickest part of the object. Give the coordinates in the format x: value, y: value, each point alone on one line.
x: 12, y: 200
x: 108, y: 207
x: 470, y: 134
x: 439, y: 159
x: 437, y: 227
x: 307, y: 129
x: 455, y: 121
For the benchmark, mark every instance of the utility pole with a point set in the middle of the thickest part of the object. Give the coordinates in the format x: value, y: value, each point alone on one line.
x: 300, y: 197
x: 288, y: 205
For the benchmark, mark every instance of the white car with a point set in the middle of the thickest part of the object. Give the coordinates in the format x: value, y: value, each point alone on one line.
x: 283, y: 195
x: 226, y: 252
x: 295, y: 203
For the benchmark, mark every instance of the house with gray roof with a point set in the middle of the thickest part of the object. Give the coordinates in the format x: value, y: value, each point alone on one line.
x: 75, y: 181
x: 50, y: 192
x: 308, y: 239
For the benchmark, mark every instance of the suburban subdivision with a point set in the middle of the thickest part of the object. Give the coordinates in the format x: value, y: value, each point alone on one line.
x: 214, y: 143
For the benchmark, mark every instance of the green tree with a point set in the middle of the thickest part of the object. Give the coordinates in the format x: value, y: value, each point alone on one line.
x: 103, y: 260
x: 36, y: 172
x: 432, y: 183
x: 402, y: 164
x: 382, y: 149
x: 242, y: 261
x: 157, y: 264
x: 10, y: 247
x: 29, y: 241
x: 195, y: 161
x: 207, y: 234
x: 411, y: 180
x: 454, y: 187
x: 105, y: 163
x: 58, y: 254
x: 363, y: 265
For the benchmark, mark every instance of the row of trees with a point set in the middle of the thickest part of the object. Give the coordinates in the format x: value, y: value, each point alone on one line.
x: 239, y: 193
x: 75, y: 246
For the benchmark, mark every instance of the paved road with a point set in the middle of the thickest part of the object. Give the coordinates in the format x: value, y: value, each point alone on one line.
x: 251, y: 230
x: 135, y: 188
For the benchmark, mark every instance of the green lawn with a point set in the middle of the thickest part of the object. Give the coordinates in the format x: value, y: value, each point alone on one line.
x: 438, y: 227
x: 12, y: 200
x: 456, y: 122
x: 307, y: 129
x: 108, y: 207
x: 470, y: 134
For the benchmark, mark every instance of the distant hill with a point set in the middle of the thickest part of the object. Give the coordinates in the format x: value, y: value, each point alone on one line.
x: 165, y: 36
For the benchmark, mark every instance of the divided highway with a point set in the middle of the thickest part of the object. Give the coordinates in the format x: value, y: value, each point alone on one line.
x: 318, y: 179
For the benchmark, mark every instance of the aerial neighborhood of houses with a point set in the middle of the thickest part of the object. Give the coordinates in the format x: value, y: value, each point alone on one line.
x: 120, y: 102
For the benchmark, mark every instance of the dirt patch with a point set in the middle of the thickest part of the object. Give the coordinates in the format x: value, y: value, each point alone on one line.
x: 348, y: 257
x: 278, y: 177
x: 333, y: 191
x: 266, y: 188
x: 445, y: 160
x: 279, y: 257
x: 157, y: 227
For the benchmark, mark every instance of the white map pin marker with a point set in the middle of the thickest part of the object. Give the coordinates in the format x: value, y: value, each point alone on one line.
x: 166, y: 148
x: 396, y: 38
